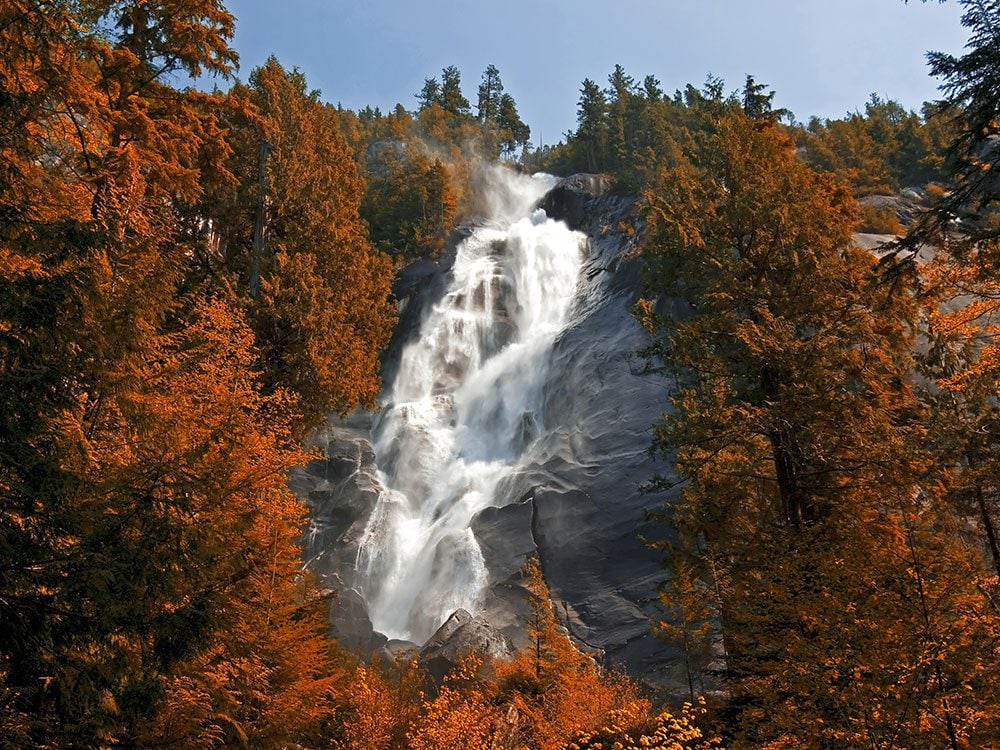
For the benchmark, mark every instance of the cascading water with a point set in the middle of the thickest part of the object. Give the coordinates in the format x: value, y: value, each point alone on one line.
x: 464, y: 409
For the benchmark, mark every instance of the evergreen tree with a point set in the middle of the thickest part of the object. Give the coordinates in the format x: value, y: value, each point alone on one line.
x: 150, y: 590
x: 452, y: 100
x: 592, y: 125
x: 490, y: 95
x: 429, y: 94
x: 620, y: 95
x: 756, y: 103
x: 514, y: 132
x: 323, y: 287
x: 652, y: 89
x: 972, y: 99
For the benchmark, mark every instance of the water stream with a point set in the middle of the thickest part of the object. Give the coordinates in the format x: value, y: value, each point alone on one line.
x: 464, y: 409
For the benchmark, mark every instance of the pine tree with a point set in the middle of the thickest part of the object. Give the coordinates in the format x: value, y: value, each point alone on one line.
x: 652, y: 89
x: 452, y: 99
x: 490, y: 93
x: 620, y: 96
x: 513, y: 131
x: 592, y: 125
x: 429, y: 94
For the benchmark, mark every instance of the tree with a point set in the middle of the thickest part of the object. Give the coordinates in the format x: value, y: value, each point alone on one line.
x: 881, y: 150
x: 555, y: 690
x: 321, y: 317
x: 452, y: 99
x: 513, y: 131
x: 592, y: 125
x: 429, y: 94
x: 757, y: 104
x: 835, y: 572
x: 150, y: 588
x: 620, y: 95
x: 99, y: 154
x: 666, y: 731
x: 961, y: 281
x: 490, y: 94
x: 652, y: 89
x: 973, y: 101
x: 411, y: 202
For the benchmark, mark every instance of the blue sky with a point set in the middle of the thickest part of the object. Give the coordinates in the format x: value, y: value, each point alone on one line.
x: 823, y: 57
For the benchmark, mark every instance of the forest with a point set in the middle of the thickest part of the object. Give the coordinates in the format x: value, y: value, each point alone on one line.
x: 193, y: 280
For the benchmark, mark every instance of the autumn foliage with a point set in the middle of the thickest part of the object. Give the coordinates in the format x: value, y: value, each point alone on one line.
x: 151, y: 592
x: 820, y: 571
x: 549, y: 696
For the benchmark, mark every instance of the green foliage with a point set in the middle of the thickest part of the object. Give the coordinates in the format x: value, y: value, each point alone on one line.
x: 490, y: 93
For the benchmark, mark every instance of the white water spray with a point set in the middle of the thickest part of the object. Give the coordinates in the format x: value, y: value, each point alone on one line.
x: 463, y: 409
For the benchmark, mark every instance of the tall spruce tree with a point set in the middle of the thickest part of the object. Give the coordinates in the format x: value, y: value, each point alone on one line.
x: 490, y: 93
x: 452, y: 98
x: 591, y: 138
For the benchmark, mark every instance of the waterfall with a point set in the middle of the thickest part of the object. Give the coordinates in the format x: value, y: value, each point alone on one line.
x: 464, y: 409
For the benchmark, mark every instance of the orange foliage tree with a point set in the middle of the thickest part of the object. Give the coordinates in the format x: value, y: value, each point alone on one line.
x: 850, y: 613
x: 150, y: 590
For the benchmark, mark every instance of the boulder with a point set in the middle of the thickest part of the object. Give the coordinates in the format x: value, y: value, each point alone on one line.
x: 461, y: 635
x: 396, y: 651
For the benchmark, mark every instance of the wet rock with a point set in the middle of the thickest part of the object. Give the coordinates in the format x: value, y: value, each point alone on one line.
x: 340, y: 489
x: 577, y: 500
x: 568, y: 200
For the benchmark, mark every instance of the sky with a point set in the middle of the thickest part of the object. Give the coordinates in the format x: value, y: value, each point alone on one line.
x: 822, y: 57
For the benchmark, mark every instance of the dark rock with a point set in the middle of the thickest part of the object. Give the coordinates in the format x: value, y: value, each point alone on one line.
x: 413, y: 276
x: 351, y: 626
x: 341, y: 490
x: 461, y: 635
x: 905, y: 206
x: 568, y: 200
x: 396, y: 651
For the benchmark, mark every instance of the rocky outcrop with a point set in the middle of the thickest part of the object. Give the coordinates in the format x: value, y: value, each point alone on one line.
x: 461, y: 635
x: 581, y: 503
x: 569, y: 200
x: 905, y: 206
x: 340, y: 490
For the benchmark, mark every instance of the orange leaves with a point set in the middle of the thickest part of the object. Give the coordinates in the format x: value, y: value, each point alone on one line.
x: 547, y: 695
x: 811, y: 521
x: 323, y: 314
x: 628, y: 730
x: 463, y: 715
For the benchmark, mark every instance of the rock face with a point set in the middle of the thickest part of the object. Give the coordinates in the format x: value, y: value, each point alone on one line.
x: 579, y: 506
x: 569, y: 200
